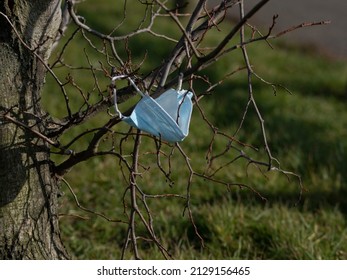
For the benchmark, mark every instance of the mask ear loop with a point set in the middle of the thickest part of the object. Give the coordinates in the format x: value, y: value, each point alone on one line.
x: 180, y: 81
x: 113, y: 81
x: 136, y: 88
x: 179, y: 88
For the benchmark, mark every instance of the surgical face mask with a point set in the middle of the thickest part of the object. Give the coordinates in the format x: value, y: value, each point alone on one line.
x: 167, y: 117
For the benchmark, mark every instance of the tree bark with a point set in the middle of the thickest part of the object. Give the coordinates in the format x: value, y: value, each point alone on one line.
x: 28, y: 193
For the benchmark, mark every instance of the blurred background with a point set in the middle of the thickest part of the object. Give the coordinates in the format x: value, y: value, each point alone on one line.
x: 330, y: 39
x: 307, y: 132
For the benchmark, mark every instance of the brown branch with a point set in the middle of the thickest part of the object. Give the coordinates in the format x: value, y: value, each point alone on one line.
x: 76, y: 158
x: 110, y: 38
x: 211, y: 57
x: 188, y: 194
x: 268, y: 36
x: 135, y: 209
x: 178, y: 53
x: 87, y: 209
x: 187, y: 36
x: 232, y: 33
x: 250, y: 90
x: 301, y: 25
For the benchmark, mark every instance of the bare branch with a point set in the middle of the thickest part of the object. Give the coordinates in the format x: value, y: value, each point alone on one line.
x: 86, y: 209
x: 250, y: 90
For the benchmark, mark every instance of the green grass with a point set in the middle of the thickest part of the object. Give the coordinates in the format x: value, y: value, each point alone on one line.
x: 306, y: 131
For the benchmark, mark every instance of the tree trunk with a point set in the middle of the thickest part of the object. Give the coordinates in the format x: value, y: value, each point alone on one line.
x: 28, y: 193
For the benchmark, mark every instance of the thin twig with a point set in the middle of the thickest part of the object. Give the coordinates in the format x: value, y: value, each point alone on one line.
x: 86, y: 209
x: 250, y: 90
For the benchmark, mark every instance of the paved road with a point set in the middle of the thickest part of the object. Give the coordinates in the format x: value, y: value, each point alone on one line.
x: 331, y: 39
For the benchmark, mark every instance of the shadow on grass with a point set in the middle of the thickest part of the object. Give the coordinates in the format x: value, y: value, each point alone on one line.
x: 303, y: 134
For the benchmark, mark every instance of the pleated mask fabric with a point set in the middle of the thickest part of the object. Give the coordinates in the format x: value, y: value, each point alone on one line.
x: 167, y: 116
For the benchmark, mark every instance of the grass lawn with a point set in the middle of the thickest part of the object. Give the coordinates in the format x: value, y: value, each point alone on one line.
x: 307, y: 133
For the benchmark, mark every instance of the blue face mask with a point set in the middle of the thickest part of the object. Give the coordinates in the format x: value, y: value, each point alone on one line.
x: 166, y: 117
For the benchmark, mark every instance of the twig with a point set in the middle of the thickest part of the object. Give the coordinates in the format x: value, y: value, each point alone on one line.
x: 301, y: 25
x: 134, y: 207
x: 188, y: 194
x: 86, y: 209
x: 250, y: 90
